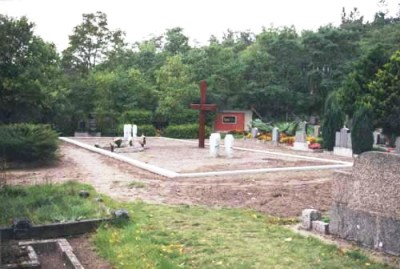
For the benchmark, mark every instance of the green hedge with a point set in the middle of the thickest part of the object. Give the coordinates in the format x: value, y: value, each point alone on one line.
x: 138, y: 117
x: 184, y: 131
x: 27, y: 142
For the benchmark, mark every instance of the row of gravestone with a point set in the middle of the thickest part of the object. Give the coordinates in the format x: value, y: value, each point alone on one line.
x: 343, y: 144
x: 130, y: 131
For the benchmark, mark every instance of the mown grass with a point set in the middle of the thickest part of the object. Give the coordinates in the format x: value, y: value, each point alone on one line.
x: 160, y: 236
x: 48, y: 203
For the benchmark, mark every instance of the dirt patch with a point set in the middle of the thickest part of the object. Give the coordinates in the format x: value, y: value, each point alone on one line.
x: 86, y: 254
x: 185, y: 157
x: 280, y: 194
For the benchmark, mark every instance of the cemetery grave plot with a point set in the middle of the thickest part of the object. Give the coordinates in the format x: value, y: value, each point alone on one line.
x: 184, y: 157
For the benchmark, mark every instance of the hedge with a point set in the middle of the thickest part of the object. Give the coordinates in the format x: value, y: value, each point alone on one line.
x: 27, y: 142
x: 187, y: 131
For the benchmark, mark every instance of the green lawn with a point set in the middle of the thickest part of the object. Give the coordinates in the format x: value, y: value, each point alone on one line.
x: 196, y: 237
x: 159, y: 236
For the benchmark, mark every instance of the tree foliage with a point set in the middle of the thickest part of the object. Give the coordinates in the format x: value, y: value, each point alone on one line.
x: 28, y: 72
x: 280, y: 72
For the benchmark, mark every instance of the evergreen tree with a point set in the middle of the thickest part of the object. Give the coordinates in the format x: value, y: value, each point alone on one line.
x: 332, y: 121
x: 361, y: 133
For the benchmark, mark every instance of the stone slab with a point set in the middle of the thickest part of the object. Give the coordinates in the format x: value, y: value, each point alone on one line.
x: 346, y: 152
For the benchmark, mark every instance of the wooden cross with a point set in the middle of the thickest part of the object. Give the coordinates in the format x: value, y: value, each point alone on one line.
x: 203, y: 108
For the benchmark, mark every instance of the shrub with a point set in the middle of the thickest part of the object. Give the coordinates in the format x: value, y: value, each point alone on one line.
x: 27, y: 142
x: 147, y: 130
x: 138, y: 117
x: 184, y: 131
x: 361, y: 133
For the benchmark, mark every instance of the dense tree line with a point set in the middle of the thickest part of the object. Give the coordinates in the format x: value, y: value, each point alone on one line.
x: 281, y: 73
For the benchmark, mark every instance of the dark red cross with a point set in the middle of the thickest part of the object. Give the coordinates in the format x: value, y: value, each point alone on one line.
x: 203, y: 107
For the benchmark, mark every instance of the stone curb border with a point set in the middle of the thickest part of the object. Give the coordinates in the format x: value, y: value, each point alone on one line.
x: 53, y: 230
x: 62, y: 246
x: 172, y: 174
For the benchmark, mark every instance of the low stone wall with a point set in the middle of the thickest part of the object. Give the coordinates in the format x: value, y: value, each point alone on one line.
x: 366, y: 206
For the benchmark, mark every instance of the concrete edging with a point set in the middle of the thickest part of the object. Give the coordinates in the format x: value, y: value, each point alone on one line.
x: 171, y: 174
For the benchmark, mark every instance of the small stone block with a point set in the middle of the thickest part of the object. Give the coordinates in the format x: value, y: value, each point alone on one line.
x: 307, y: 216
x: 121, y: 214
x: 84, y: 194
x: 320, y: 227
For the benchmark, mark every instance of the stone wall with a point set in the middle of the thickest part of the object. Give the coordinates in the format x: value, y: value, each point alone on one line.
x: 366, y: 206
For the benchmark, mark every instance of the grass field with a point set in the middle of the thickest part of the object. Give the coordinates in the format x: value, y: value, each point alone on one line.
x: 161, y: 236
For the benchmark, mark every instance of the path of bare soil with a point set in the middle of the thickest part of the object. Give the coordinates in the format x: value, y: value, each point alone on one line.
x: 282, y: 194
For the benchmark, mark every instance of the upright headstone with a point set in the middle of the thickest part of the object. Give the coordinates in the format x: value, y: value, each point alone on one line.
x: 376, y: 135
x: 215, y: 139
x: 300, y: 142
x: 92, y: 125
x: 254, y: 132
x: 317, y: 132
x: 203, y: 107
x: 275, y: 136
x: 398, y: 145
x: 127, y: 131
x: 134, y: 131
x: 303, y: 126
x: 228, y: 143
x: 343, y: 146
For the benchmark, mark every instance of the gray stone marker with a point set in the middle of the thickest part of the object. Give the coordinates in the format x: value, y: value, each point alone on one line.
x: 254, y: 132
x: 215, y: 139
x: 228, y: 144
x: 398, y: 145
x: 317, y: 132
x: 366, y: 206
x: 343, y: 145
x: 301, y: 137
x: 275, y: 136
x: 308, y: 216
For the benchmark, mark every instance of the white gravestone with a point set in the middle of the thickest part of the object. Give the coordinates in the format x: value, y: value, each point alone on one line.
x: 228, y: 143
x: 275, y: 136
x: 343, y: 146
x: 134, y: 131
x: 254, y: 132
x: 215, y: 139
x: 127, y: 131
x: 301, y: 137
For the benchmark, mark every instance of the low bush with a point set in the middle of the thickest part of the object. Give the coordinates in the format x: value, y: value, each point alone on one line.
x: 27, y: 143
x: 184, y: 131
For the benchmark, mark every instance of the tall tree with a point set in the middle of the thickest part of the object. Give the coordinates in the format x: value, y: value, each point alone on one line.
x: 28, y: 72
x: 175, y: 41
x: 90, y: 43
x: 385, y: 95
